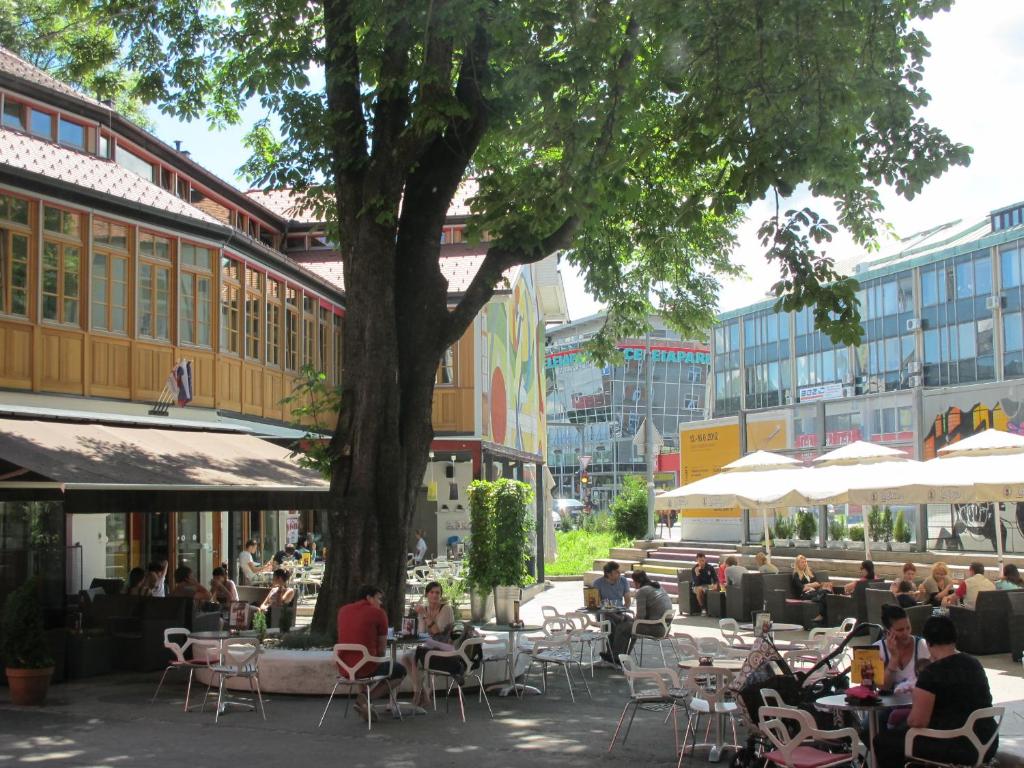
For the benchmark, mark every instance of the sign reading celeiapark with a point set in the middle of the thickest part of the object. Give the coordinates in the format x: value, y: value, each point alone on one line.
x: 661, y: 353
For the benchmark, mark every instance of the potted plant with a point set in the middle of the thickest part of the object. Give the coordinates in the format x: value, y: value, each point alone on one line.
x: 837, y: 532
x: 480, y: 550
x: 511, y: 526
x: 856, y: 533
x: 901, y: 534
x: 23, y: 646
x: 783, y: 532
x: 806, y: 528
x: 876, y: 528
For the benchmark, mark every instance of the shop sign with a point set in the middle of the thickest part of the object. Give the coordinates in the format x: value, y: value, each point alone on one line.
x: 832, y: 391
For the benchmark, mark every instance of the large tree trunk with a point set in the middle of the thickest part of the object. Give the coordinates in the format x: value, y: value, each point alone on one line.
x: 393, y: 341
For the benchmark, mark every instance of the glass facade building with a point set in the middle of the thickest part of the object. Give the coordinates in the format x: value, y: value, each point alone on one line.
x: 595, y: 411
x: 942, y: 357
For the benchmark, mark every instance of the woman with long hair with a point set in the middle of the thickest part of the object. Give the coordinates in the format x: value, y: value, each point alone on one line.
x: 939, y: 584
x: 1011, y: 578
x: 807, y: 586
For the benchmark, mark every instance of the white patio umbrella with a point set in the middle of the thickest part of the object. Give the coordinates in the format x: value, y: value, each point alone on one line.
x: 866, y: 473
x: 761, y: 480
x: 988, y: 466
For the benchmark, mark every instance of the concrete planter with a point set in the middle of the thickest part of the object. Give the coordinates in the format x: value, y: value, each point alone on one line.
x: 505, y: 599
x: 481, y: 606
x: 836, y: 545
x: 899, y: 546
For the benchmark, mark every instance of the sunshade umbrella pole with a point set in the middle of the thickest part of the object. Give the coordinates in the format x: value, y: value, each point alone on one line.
x: 999, y: 536
x: 767, y: 533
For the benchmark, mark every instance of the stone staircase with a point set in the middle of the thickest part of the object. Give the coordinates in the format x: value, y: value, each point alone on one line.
x: 664, y: 559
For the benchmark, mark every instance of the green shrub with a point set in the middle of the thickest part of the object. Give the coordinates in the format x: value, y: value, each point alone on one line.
x: 480, y: 549
x: 837, y: 528
x: 856, y: 533
x: 597, y: 522
x: 578, y: 549
x: 22, y: 644
x: 500, y: 521
x: 901, y: 530
x: 629, y: 510
x: 783, y: 528
x: 806, y: 524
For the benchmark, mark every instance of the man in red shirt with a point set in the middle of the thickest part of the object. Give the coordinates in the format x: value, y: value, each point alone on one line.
x: 365, y: 623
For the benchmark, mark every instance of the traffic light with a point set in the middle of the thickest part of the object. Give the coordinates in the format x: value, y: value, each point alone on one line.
x: 584, y: 478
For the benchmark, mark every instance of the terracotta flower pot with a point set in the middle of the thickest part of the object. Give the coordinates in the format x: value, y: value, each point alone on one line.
x: 29, y: 686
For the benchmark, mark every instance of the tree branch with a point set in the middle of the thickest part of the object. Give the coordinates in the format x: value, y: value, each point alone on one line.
x: 497, y: 260
x: 345, y: 111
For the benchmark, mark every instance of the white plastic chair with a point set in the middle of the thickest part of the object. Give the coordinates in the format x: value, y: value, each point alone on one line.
x: 239, y: 658
x: 590, y: 632
x: 556, y: 648
x: 180, y: 662
x: 652, y: 690
x: 964, y: 732
x: 684, y: 646
x: 730, y: 630
x: 661, y: 627
x: 794, y: 750
x: 348, y: 676
x: 473, y: 668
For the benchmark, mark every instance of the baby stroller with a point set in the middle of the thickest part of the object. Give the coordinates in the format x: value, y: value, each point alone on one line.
x: 766, y: 668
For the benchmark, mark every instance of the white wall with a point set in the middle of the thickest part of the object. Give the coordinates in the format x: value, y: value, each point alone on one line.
x: 91, y: 532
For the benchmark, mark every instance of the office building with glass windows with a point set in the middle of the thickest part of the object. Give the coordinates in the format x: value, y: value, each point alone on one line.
x: 594, y: 412
x: 942, y: 357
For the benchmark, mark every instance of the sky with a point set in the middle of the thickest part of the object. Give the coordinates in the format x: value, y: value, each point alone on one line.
x: 974, y: 76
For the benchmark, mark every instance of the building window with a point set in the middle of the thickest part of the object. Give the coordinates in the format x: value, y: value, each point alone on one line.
x: 14, y: 115
x: 109, y: 275
x: 104, y: 146
x: 253, y: 313
x: 14, y: 250
x: 309, y: 331
x: 71, y: 134
x: 337, y: 349
x: 40, y: 124
x: 446, y: 370
x: 230, y: 307
x: 62, y: 266
x: 154, y: 287
x: 134, y: 163
x: 275, y: 309
x: 291, y: 331
x: 324, y: 340
x: 195, y: 295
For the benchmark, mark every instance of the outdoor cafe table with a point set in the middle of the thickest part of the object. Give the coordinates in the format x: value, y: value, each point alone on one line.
x: 510, y: 685
x: 718, y: 675
x: 838, y: 702
x: 777, y: 626
x: 717, y: 665
x: 394, y: 643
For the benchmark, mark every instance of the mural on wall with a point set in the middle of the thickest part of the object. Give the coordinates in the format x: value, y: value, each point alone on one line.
x: 512, y: 402
x: 973, y: 526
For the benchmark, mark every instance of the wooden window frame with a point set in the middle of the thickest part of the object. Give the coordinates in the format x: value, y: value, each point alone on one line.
x: 309, y: 326
x: 293, y: 324
x: 63, y: 243
x: 338, y: 337
x: 274, y: 321
x: 157, y: 265
x: 447, y: 368
x: 230, y: 307
x: 255, y: 296
x: 11, y: 228
x: 111, y: 253
x: 324, y: 339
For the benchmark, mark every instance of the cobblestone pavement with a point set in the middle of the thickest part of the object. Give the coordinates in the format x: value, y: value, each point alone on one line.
x: 108, y: 721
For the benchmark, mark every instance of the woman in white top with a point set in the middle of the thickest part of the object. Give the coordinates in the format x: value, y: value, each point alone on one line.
x: 902, y: 654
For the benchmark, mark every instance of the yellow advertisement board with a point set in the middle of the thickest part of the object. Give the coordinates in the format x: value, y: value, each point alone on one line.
x: 767, y: 435
x: 703, y: 451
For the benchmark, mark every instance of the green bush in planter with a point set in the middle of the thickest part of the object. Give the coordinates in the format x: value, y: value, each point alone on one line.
x: 783, y: 528
x: 856, y: 533
x: 481, y: 537
x: 629, y: 510
x: 901, y: 530
x: 22, y: 643
x: 512, y: 523
x: 806, y: 524
x: 837, y: 528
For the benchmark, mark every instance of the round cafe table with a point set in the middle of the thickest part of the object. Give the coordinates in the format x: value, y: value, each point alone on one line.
x: 777, y: 626
x: 510, y: 685
x: 884, y: 704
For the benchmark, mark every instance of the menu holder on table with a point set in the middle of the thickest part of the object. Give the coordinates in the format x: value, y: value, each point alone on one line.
x: 238, y: 615
x: 591, y: 597
x: 762, y: 623
x: 868, y: 668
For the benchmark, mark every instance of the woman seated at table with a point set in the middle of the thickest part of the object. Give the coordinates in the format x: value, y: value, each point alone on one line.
x: 947, y: 691
x: 1011, y: 578
x: 808, y: 587
x: 938, y: 585
x: 902, y: 653
x: 222, y: 588
x: 867, y: 573
x: 280, y: 593
x: 909, y: 573
x: 437, y: 620
x: 136, y: 578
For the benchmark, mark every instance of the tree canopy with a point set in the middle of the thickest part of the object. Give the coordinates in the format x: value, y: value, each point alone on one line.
x: 628, y: 134
x: 72, y: 44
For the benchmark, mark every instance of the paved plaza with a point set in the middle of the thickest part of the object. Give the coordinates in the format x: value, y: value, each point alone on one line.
x: 109, y: 721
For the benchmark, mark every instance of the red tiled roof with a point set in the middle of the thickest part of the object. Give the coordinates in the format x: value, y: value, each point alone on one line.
x: 286, y: 203
x: 30, y: 155
x: 18, y: 67
x: 460, y: 202
x: 459, y: 265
